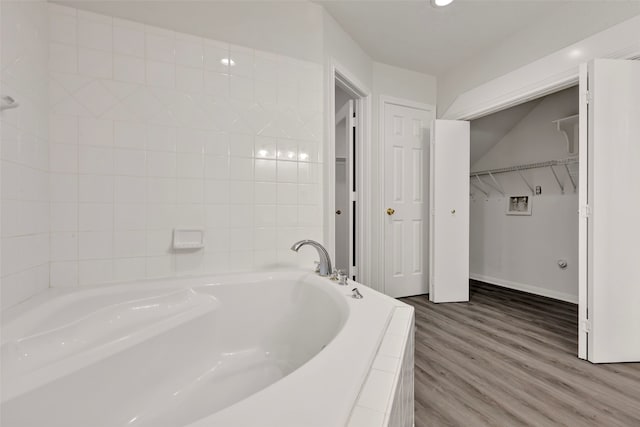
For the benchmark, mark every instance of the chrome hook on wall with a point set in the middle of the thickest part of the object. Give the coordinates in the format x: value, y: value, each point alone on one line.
x: 7, y: 102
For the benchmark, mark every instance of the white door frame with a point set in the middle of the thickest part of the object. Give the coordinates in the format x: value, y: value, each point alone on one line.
x: 384, y: 100
x: 362, y: 95
x: 547, y: 75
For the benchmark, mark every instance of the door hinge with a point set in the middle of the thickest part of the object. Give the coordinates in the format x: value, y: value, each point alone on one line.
x: 585, y: 211
x: 352, y: 122
x: 353, y: 271
x: 585, y: 326
x: 587, y: 97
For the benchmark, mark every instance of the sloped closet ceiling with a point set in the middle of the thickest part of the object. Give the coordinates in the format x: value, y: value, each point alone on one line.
x: 487, y: 131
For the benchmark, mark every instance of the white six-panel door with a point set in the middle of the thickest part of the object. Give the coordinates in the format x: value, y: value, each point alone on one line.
x: 449, y: 222
x: 406, y: 152
x: 613, y: 231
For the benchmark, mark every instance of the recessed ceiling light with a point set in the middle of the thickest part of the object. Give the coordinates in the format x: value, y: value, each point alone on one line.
x: 441, y: 3
x: 227, y: 61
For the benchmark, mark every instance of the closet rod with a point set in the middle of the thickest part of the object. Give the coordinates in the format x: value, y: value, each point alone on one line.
x: 525, y: 167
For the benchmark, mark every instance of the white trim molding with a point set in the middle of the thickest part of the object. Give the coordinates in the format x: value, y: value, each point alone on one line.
x: 380, y: 209
x: 552, y: 73
x: 531, y: 289
x: 338, y: 73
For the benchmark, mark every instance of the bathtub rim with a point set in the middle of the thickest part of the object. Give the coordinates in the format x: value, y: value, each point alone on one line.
x: 357, y: 373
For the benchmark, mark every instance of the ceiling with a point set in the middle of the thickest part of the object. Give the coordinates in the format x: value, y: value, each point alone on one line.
x: 415, y: 35
x: 410, y: 34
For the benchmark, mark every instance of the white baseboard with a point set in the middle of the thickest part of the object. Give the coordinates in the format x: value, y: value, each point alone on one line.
x: 526, y: 288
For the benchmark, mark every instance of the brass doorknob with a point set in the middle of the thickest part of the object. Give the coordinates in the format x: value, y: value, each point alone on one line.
x: 338, y: 212
x: 391, y: 211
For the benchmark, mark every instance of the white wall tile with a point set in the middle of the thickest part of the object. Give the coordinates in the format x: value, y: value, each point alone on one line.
x: 287, y: 194
x: 129, y: 69
x: 129, y: 41
x: 95, y: 160
x: 95, y: 63
x: 130, y: 189
x: 129, y: 269
x: 64, y: 246
x: 216, y: 83
x: 159, y: 133
x: 189, y: 51
x: 241, y: 169
x: 214, y: 53
x: 62, y: 187
x: 63, y: 129
x: 63, y: 216
x: 95, y: 35
x: 129, y: 162
x: 63, y: 158
x: 130, y: 216
x: 95, y: 245
x: 216, y: 167
x: 160, y: 47
x: 64, y: 274
x: 216, y: 192
x: 217, y: 216
x: 287, y: 171
x: 93, y: 272
x: 95, y: 188
x: 243, y: 61
x: 241, y: 88
x: 62, y: 28
x: 95, y: 132
x: 95, y: 217
x: 161, y: 74
x: 131, y: 243
x: 130, y: 135
x: 63, y: 58
x: 189, y: 79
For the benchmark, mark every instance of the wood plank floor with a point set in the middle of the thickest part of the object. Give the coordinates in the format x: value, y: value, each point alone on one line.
x: 507, y: 358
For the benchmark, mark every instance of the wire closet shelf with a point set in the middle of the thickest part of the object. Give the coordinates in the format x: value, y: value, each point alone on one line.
x: 548, y: 164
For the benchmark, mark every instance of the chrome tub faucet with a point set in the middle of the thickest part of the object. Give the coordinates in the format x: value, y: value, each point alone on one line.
x: 325, y: 261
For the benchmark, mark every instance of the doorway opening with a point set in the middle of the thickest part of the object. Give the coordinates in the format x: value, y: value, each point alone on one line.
x: 346, y: 181
x: 524, y: 181
x: 347, y: 175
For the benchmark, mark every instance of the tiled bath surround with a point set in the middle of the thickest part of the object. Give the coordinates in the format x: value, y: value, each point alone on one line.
x: 152, y: 130
x: 24, y: 166
x: 387, y: 396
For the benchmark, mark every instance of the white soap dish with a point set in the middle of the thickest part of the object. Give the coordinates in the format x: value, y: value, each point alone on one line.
x: 188, y: 238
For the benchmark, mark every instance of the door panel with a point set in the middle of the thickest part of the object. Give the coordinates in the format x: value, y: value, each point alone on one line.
x: 406, y: 146
x: 449, y: 222
x: 613, y: 236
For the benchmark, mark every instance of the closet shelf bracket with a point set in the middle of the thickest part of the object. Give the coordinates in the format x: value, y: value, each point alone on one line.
x: 573, y: 181
x: 555, y: 175
x: 480, y: 189
x: 498, y: 187
x: 526, y: 182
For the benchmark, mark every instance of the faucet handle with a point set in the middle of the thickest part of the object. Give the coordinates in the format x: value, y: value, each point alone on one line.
x: 342, y: 278
x: 335, y: 275
x: 317, y: 269
x: 356, y: 294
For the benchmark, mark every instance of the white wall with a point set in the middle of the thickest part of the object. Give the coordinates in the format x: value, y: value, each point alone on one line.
x: 522, y: 251
x: 530, y: 44
x: 150, y: 132
x: 25, y: 154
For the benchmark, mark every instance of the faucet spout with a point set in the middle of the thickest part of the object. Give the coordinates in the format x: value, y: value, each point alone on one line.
x: 325, y: 260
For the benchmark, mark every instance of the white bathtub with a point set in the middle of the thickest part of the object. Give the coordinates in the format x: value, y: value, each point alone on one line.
x: 277, y: 349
